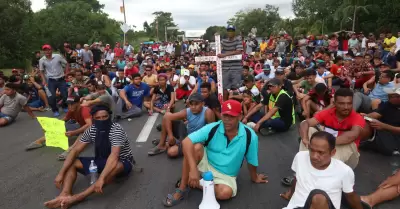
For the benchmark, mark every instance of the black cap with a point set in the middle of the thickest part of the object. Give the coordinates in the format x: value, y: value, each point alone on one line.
x: 73, y: 99
x: 196, y: 97
x: 275, y: 82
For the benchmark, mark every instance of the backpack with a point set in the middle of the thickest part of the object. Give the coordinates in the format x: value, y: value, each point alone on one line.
x: 214, y: 129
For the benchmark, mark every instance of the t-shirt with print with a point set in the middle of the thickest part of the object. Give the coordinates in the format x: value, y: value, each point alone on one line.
x: 285, y: 108
x: 182, y: 81
x: 117, y: 137
x: 150, y: 80
x: 11, y: 106
x: 163, y: 97
x: 332, y: 125
x: 334, y: 180
x: 136, y: 94
x: 79, y: 116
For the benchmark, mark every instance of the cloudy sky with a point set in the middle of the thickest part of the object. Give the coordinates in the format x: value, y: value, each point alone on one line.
x: 192, y: 16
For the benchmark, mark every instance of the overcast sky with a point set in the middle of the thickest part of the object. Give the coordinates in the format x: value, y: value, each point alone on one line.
x: 192, y: 16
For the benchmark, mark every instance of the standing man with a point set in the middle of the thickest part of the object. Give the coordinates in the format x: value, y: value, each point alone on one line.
x: 232, y: 69
x: 52, y: 74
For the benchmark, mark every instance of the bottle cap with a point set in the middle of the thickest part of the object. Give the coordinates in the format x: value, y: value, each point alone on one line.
x: 208, y: 176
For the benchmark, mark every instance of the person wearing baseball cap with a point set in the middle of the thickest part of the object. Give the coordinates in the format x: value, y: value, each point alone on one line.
x: 219, y: 147
x: 196, y: 115
x: 280, y: 115
x: 52, y: 75
x: 266, y: 74
x: 231, y: 70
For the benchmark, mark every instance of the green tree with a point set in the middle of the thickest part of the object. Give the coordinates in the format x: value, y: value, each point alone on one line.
x: 15, y: 33
x: 263, y: 19
x: 95, y: 4
x: 351, y: 8
x: 162, y: 20
x: 210, y: 32
x: 74, y: 23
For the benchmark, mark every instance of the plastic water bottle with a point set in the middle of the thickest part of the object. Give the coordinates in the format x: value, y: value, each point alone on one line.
x: 93, y: 172
x: 353, y: 83
x: 48, y: 93
x: 209, y: 201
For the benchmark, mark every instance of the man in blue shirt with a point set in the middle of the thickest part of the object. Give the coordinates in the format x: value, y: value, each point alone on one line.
x: 130, y: 102
x: 222, y: 154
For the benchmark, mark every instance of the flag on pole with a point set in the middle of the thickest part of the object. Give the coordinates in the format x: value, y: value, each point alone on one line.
x: 122, y: 9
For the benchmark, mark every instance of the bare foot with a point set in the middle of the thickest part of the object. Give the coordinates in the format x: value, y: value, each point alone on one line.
x: 55, y: 203
x: 366, y: 200
x: 68, y: 201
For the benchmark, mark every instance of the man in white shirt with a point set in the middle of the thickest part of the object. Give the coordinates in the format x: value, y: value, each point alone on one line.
x: 320, y: 179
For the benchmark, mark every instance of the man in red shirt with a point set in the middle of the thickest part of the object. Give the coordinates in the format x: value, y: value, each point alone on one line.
x: 77, y: 120
x: 118, y: 51
x: 342, y: 122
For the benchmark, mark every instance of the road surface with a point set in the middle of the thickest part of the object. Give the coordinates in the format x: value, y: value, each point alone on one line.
x: 26, y: 178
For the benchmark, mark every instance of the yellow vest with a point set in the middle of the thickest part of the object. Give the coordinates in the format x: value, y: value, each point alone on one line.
x: 271, y: 104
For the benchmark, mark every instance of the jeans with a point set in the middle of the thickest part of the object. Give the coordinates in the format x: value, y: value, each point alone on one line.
x: 61, y: 85
x: 361, y: 102
x: 135, y: 111
x: 275, y: 124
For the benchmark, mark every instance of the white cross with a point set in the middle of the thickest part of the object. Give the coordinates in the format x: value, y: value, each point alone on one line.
x: 219, y: 64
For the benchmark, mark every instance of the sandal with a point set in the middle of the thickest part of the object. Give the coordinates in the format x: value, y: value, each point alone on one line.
x: 155, y: 151
x: 63, y: 155
x: 287, y: 181
x: 170, y: 201
x: 155, y: 142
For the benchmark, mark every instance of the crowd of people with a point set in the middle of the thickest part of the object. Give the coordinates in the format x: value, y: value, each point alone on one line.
x: 344, y: 88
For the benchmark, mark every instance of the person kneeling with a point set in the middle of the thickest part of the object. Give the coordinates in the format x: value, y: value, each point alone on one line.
x: 113, y: 157
x: 321, y: 179
x: 218, y: 155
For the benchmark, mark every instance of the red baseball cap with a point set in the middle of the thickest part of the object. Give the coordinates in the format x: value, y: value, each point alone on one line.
x: 46, y: 46
x: 231, y: 107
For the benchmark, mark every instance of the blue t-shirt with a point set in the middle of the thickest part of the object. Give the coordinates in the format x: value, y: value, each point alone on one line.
x: 135, y: 94
x: 379, y: 93
x: 200, y: 81
x: 112, y: 75
x: 121, y: 65
x: 227, y: 158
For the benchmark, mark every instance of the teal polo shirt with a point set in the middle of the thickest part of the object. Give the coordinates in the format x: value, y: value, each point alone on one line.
x: 226, y: 157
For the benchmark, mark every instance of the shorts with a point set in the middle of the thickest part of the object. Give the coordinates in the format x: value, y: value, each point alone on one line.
x: 219, y: 178
x: 7, y: 117
x: 101, y: 163
x: 231, y: 78
x: 36, y: 104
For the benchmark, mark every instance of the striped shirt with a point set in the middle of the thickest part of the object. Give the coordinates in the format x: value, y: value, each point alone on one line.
x: 117, y: 137
x: 229, y: 46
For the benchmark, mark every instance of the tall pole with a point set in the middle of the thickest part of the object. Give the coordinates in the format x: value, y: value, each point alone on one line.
x: 123, y: 6
x: 157, y: 28
x: 166, y: 34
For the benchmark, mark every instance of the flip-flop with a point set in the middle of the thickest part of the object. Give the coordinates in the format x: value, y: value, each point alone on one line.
x: 287, y: 181
x: 33, y: 146
x: 63, y: 156
x: 155, y: 142
x: 155, y: 151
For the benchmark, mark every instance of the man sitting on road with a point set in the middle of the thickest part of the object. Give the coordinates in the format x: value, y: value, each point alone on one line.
x: 384, y: 128
x: 321, y: 179
x: 11, y: 103
x: 77, y: 120
x: 131, y: 98
x: 279, y: 114
x: 342, y: 122
x: 113, y: 157
x: 226, y: 144
x: 210, y: 99
x: 101, y: 96
x: 196, y: 115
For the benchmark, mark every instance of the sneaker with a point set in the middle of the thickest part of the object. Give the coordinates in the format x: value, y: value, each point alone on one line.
x: 65, y: 110
x: 266, y: 131
x: 47, y: 109
x: 251, y: 124
x: 56, y: 114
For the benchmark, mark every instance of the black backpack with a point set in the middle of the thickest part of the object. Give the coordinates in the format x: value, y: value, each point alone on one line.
x: 214, y: 129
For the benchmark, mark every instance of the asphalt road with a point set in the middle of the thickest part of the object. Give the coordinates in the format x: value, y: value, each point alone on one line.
x: 26, y: 178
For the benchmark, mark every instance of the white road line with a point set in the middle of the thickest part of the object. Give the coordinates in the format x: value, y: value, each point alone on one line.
x: 144, y: 134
